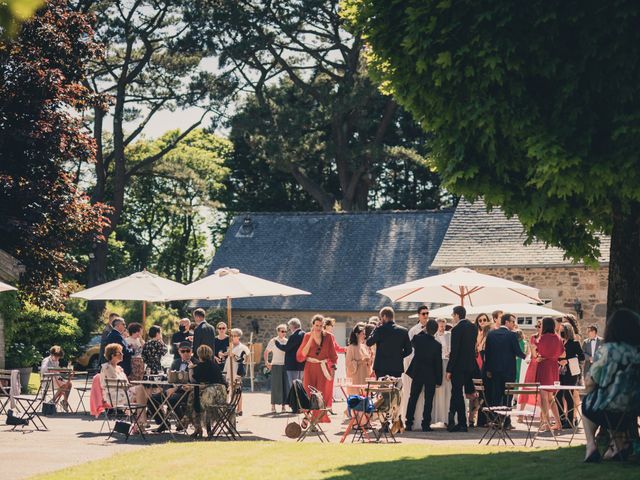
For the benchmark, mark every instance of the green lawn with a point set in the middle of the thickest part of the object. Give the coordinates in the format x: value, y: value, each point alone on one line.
x: 290, y: 461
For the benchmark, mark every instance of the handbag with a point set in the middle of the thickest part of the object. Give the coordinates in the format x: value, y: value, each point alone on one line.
x: 122, y: 427
x: 49, y: 408
x: 316, y: 400
x: 574, y: 366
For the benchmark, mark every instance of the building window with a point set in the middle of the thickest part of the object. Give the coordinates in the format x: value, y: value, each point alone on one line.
x: 530, y: 321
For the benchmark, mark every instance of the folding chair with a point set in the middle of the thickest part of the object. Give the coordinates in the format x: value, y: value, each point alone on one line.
x: 496, y: 420
x: 5, y: 390
x: 529, y: 389
x: 310, y: 423
x: 123, y: 410
x: 225, y: 421
x: 82, y: 391
x: 384, y: 393
x: 31, y: 404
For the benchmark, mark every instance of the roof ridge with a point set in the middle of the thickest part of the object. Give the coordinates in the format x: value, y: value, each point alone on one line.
x: 369, y: 212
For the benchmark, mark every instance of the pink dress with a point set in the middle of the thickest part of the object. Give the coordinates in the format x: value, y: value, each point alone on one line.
x: 530, y: 375
x: 550, y: 348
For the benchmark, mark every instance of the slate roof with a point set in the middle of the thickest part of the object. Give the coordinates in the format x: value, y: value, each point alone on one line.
x: 342, y: 258
x: 479, y: 238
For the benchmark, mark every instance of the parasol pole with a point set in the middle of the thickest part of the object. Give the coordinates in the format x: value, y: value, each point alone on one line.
x: 144, y: 316
x: 230, y: 352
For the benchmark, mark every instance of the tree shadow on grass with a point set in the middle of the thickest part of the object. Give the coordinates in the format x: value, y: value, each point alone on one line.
x: 559, y: 464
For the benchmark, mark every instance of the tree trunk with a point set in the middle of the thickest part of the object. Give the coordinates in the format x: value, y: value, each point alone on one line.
x: 624, y: 263
x: 98, y: 274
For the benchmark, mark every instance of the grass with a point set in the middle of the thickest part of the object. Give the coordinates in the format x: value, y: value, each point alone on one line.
x: 284, y: 460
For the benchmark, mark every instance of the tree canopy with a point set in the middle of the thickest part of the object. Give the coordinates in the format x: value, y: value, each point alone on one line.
x: 533, y: 106
x: 305, y: 74
x: 43, y: 214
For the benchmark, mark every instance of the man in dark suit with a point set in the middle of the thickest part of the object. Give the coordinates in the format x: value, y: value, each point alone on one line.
x: 501, y: 349
x: 392, y: 345
x: 425, y: 371
x: 105, y: 334
x: 292, y: 366
x: 204, y: 333
x: 590, y: 346
x: 118, y: 326
x: 462, y: 362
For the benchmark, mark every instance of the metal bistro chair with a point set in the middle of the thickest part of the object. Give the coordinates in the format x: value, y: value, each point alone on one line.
x: 31, y: 405
x: 384, y: 394
x: 84, y: 390
x: 5, y: 391
x: 496, y: 421
x: 124, y: 413
x: 225, y: 422
x: 529, y: 389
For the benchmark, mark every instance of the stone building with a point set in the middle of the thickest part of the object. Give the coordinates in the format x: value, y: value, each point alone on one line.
x: 10, y: 270
x: 491, y: 243
x: 344, y: 258
x: 341, y: 258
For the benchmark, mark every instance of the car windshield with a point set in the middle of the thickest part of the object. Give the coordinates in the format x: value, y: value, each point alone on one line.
x: 95, y: 340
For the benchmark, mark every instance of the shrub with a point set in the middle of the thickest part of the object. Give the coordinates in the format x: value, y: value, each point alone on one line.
x: 22, y: 355
x: 44, y: 328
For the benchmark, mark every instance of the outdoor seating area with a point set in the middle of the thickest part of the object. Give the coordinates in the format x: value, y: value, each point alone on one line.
x: 323, y: 240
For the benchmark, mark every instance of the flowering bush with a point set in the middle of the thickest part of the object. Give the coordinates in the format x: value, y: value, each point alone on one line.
x: 21, y: 355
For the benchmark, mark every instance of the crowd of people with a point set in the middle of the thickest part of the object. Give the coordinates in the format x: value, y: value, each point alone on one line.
x: 440, y: 365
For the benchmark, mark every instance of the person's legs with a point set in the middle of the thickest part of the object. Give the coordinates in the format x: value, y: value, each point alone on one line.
x: 456, y: 406
x: 429, y: 393
x: 416, y: 389
x: 590, y: 430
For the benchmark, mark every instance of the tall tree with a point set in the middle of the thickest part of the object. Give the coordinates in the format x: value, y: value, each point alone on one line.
x: 302, y: 41
x: 295, y: 129
x: 167, y: 204
x: 533, y: 105
x: 43, y: 215
x: 149, y: 66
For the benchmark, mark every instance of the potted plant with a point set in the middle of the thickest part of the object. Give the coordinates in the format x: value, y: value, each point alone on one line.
x: 23, y: 357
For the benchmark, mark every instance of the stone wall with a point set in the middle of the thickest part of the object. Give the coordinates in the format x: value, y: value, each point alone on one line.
x: 563, y: 285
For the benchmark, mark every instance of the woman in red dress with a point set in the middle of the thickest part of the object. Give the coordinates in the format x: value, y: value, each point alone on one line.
x: 550, y: 348
x: 530, y: 375
x: 318, y: 352
x: 328, y: 324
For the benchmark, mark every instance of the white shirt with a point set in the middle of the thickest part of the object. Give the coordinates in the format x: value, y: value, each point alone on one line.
x: 237, y: 352
x: 277, y: 354
x: 445, y: 340
x: 47, y: 363
x: 593, y: 346
x: 416, y: 329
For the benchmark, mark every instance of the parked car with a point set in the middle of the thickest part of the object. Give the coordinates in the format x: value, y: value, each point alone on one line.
x: 89, y: 356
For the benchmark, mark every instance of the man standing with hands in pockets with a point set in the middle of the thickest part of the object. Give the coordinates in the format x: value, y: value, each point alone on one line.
x: 462, y: 360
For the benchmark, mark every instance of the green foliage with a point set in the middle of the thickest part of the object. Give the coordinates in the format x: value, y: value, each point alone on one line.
x: 44, y: 328
x: 166, y: 206
x: 157, y: 314
x: 21, y: 355
x: 315, y: 117
x: 215, y: 315
x: 534, y: 105
x: 294, y: 131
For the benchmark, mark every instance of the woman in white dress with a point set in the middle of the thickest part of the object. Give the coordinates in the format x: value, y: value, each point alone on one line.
x: 443, y: 394
x: 240, y: 354
x: 279, y: 387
